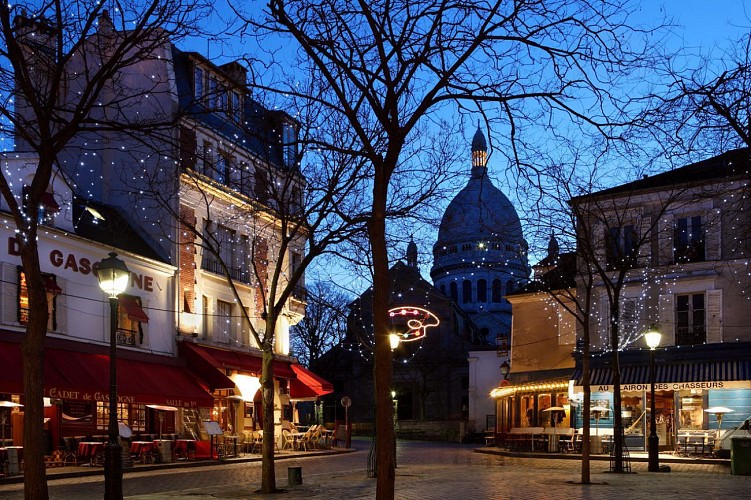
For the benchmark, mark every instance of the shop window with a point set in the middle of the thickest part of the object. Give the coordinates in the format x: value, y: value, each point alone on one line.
x: 527, y: 408
x: 690, y: 315
x: 482, y: 291
x: 130, y: 320
x: 688, y: 240
x: 52, y: 289
x: 134, y: 415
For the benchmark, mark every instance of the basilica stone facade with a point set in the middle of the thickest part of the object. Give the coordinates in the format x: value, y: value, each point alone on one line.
x: 481, y: 254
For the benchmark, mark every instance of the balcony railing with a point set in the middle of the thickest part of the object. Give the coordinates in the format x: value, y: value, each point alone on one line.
x: 127, y: 337
x: 237, y: 274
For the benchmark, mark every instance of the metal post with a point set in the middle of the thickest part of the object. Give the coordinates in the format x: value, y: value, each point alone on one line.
x: 113, y: 459
x: 653, y: 444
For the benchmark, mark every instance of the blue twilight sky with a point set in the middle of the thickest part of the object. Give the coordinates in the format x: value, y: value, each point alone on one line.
x: 701, y: 26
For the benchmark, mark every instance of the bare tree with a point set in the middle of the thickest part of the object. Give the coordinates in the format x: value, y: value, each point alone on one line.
x: 324, y: 325
x: 46, y: 102
x: 388, y: 67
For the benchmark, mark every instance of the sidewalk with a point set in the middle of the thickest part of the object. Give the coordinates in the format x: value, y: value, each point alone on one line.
x: 74, y: 471
x: 634, y: 456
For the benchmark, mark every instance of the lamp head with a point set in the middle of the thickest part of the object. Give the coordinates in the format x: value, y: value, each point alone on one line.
x: 113, y: 275
x: 394, y: 341
x: 505, y: 369
x: 653, y: 337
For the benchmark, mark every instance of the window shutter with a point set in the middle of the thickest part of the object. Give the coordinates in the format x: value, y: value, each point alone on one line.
x: 645, y: 236
x: 713, y: 235
x: 667, y: 319
x: 665, y: 240
x: 10, y: 294
x: 714, y: 316
x: 604, y: 320
x: 143, y: 327
x: 629, y: 319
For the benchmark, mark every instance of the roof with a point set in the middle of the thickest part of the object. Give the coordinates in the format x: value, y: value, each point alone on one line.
x: 730, y: 164
x: 104, y: 224
x: 562, y: 275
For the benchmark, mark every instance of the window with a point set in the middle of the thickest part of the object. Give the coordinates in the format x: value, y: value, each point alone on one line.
x: 53, y: 290
x: 295, y: 258
x: 222, y: 168
x: 467, y: 291
x: 130, y: 319
x: 454, y: 290
x: 688, y: 240
x: 208, y: 159
x: 223, y: 330
x: 213, y: 93
x: 261, y: 186
x: 198, y: 84
x: 497, y: 290
x: 690, y: 315
x: 237, y: 110
x: 130, y: 413
x: 233, y: 251
x: 482, y: 290
x: 620, y: 246
x: 289, y: 146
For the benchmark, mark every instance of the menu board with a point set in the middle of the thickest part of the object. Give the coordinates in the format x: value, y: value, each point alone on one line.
x: 212, y: 427
x: 77, y: 411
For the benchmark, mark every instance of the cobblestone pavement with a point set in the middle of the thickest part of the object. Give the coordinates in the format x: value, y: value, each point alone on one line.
x: 425, y: 471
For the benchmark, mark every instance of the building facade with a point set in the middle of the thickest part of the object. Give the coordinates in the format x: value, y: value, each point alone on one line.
x: 203, y: 196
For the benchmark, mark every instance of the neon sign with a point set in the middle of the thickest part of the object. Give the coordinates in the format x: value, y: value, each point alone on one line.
x: 416, y: 320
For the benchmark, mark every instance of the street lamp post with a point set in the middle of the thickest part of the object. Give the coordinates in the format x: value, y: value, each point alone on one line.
x: 653, y: 337
x: 113, y: 276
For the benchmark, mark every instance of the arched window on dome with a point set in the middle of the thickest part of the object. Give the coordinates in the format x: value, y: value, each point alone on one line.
x: 497, y: 290
x: 454, y: 290
x: 509, y: 287
x: 482, y: 291
x: 467, y: 292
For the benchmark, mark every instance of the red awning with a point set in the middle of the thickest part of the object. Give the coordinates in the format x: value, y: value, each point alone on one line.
x: 51, y: 286
x: 224, y: 359
x: 70, y: 374
x: 308, y: 384
x: 133, y: 309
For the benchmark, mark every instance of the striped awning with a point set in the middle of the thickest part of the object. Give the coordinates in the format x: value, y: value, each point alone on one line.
x: 672, y: 373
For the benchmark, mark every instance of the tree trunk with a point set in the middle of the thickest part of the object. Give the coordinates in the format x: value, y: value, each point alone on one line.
x: 268, y: 474
x: 617, y: 418
x: 32, y: 351
x: 382, y: 367
x: 586, y: 431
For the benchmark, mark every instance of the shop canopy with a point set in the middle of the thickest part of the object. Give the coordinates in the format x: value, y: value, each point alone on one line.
x: 304, y: 384
x: 710, y: 374
x: 307, y: 385
x: 71, y: 373
x: 224, y: 360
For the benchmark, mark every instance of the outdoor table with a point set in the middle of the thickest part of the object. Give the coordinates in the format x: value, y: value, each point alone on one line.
x: 182, y: 446
x: 88, y: 450
x: 234, y: 438
x: 141, y: 448
x: 296, y: 436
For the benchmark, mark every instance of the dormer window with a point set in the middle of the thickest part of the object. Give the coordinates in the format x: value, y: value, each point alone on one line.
x: 289, y: 145
x: 198, y: 84
x: 48, y: 207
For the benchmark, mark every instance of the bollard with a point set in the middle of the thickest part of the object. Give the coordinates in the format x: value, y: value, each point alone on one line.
x: 294, y: 475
